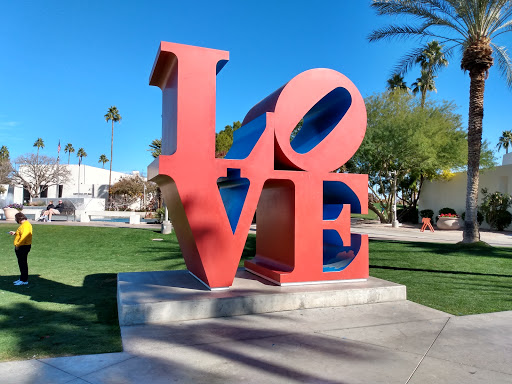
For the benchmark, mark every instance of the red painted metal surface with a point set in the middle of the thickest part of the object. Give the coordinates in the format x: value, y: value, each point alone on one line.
x: 303, y: 209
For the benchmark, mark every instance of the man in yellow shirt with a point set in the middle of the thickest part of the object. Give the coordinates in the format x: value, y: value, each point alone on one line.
x: 22, y: 245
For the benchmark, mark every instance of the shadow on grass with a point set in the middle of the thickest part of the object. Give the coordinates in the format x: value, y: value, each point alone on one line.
x: 477, y: 250
x: 437, y: 271
x: 86, y: 323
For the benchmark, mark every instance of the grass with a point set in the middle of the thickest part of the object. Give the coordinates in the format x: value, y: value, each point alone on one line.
x: 454, y: 278
x: 70, y: 306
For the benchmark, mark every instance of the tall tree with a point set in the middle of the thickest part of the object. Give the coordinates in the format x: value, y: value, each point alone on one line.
x: 39, y: 144
x: 423, y: 84
x: 69, y: 150
x: 37, y: 173
x: 103, y: 159
x: 155, y: 148
x: 431, y: 59
x: 397, y: 82
x: 224, y: 139
x: 4, y: 153
x: 473, y: 26
x: 114, y: 116
x: 81, y: 154
x: 5, y: 167
x: 411, y: 140
x: 505, y: 140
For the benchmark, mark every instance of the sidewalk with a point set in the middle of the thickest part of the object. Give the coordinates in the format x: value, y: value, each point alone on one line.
x: 407, y: 232
x: 396, y: 342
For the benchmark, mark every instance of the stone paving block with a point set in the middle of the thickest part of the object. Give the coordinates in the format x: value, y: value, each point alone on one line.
x: 483, y: 341
x: 151, y: 337
x: 297, y: 358
x: 413, y: 337
x: 85, y: 364
x: 445, y: 372
x: 32, y: 372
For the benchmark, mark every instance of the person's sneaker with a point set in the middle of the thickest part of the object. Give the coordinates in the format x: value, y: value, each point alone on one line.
x: 19, y: 282
x: 16, y: 282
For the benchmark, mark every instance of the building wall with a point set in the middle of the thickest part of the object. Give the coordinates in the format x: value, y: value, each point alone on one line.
x: 85, y: 181
x: 452, y: 193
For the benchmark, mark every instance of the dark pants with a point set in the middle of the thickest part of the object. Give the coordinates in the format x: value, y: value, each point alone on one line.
x: 21, y: 254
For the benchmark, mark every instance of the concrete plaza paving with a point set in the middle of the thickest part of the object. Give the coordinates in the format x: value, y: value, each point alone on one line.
x: 391, y: 342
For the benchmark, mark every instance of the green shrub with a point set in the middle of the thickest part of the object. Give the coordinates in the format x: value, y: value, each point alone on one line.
x: 495, y: 208
x: 479, y: 217
x: 160, y: 214
x: 446, y: 210
x: 427, y: 213
x: 407, y: 215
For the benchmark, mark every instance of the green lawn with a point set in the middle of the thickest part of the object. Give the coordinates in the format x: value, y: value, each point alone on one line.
x: 69, y: 307
x: 453, y: 278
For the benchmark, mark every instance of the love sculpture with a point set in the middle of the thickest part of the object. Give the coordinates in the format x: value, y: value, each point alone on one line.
x: 303, y: 208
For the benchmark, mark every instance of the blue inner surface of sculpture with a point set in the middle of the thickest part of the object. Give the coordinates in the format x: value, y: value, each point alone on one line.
x: 246, y: 137
x: 336, y: 256
x: 322, y: 119
x: 233, y: 191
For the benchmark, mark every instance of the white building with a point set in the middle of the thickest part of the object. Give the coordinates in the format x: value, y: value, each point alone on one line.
x: 85, y: 182
x: 452, y: 193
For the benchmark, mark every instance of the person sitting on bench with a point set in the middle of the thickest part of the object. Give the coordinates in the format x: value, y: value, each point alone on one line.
x: 51, y: 210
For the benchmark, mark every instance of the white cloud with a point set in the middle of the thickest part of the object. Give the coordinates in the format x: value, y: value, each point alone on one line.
x: 8, y: 124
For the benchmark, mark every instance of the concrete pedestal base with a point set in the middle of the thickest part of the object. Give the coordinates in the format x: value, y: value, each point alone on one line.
x: 135, y: 219
x: 161, y: 297
x: 166, y: 227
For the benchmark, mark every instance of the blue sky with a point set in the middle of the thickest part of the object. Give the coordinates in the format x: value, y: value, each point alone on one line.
x: 64, y: 63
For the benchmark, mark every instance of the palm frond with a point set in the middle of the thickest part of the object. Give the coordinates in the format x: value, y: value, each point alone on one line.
x: 506, y: 27
x: 502, y: 12
x: 407, y: 61
x: 504, y: 62
x: 399, y: 32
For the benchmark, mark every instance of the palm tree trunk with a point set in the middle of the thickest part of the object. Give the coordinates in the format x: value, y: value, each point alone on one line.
x: 476, y: 114
x: 110, y: 173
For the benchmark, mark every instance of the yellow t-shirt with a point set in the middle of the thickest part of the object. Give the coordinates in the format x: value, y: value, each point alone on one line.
x: 23, y: 235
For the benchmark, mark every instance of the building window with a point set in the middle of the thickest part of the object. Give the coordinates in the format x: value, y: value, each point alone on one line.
x: 43, y: 191
x: 61, y: 187
x: 26, y: 195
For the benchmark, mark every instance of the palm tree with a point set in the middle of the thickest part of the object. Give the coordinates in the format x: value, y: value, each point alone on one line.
x: 80, y: 154
x: 470, y: 25
x: 69, y: 150
x: 505, y: 140
x: 112, y: 114
x: 397, y: 82
x: 103, y: 159
x: 431, y: 59
x: 155, y: 148
x: 39, y: 144
x: 4, y: 153
x: 423, y: 84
